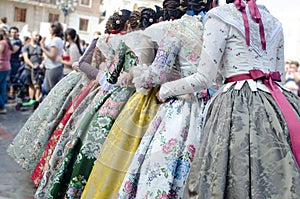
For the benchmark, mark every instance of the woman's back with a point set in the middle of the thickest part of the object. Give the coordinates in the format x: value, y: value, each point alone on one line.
x: 234, y: 54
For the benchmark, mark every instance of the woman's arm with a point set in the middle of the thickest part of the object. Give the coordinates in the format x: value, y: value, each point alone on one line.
x: 146, y: 77
x: 86, y: 59
x: 214, y: 38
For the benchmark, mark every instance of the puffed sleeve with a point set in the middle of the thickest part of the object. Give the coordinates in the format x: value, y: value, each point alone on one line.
x: 146, y: 77
x: 214, y: 38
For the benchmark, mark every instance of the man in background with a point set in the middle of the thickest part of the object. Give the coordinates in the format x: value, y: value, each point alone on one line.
x: 33, y: 56
x: 15, y: 57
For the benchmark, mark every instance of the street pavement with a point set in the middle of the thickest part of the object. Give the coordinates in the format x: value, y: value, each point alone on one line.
x: 15, y: 182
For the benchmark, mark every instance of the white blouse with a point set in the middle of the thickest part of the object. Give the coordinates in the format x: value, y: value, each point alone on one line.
x: 224, y: 49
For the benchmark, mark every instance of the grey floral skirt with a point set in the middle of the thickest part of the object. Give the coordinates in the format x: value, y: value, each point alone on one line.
x: 245, y: 149
x: 29, y: 144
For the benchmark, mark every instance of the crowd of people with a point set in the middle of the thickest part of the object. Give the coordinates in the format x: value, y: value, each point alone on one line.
x: 35, y: 65
x: 183, y: 100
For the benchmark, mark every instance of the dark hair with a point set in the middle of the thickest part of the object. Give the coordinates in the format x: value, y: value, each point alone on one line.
x: 135, y: 20
x: 4, y: 36
x: 74, y: 36
x: 57, y: 29
x: 3, y: 19
x: 119, y: 20
x: 159, y: 13
x: 147, y: 17
x: 229, y: 1
x: 199, y: 5
x: 173, y: 9
x: 108, y: 25
x: 295, y: 63
x: 14, y: 28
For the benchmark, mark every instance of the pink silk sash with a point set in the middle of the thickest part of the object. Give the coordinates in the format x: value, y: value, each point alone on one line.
x: 283, y: 104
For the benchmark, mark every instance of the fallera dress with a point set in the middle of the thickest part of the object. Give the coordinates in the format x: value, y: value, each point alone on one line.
x: 29, y: 144
x: 53, y: 158
x: 69, y: 179
x: 245, y: 149
x: 161, y: 164
x: 127, y: 131
x: 73, y: 111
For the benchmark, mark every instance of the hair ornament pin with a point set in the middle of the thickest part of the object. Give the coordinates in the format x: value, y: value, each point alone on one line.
x: 120, y: 12
x: 118, y: 21
x: 151, y: 20
x: 182, y: 8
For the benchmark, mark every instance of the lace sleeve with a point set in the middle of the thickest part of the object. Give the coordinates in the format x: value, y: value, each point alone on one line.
x: 157, y: 73
x: 214, y: 38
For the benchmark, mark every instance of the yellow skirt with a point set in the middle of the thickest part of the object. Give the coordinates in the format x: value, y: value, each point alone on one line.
x: 120, y: 145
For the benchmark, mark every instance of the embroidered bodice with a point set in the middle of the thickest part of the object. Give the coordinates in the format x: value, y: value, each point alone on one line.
x: 179, y: 48
x: 225, y: 49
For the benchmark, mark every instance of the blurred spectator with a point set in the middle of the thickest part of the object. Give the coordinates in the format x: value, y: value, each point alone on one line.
x: 287, y: 64
x: 292, y: 77
x: 33, y: 54
x: 83, y: 45
x: 15, y: 56
x: 72, y: 50
x: 3, y: 23
x: 26, y: 40
x: 5, y: 52
x: 52, y: 52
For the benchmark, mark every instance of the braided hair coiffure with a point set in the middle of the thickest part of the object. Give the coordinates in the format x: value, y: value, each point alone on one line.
x: 147, y: 17
x: 119, y: 20
x: 135, y: 20
x: 174, y: 9
x: 199, y: 5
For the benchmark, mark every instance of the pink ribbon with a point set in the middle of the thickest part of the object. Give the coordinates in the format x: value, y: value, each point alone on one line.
x: 283, y: 104
x: 255, y: 15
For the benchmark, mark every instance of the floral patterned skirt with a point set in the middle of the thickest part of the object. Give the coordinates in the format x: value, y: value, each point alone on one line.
x: 74, y: 126
x: 29, y: 144
x: 245, y: 149
x: 78, y: 157
x: 161, y: 163
x: 121, y: 144
x: 42, y: 164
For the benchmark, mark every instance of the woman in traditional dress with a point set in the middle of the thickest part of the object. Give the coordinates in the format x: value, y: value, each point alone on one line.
x: 161, y: 163
x: 250, y: 142
x: 86, y: 141
x: 126, y: 132
x: 75, y: 109
x: 29, y: 144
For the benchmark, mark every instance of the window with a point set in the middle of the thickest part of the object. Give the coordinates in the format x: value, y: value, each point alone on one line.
x: 83, y: 24
x: 20, y: 14
x: 53, y: 17
x: 85, y: 2
x: 50, y: 1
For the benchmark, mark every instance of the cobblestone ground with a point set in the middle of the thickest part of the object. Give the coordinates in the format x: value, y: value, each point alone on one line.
x: 15, y: 182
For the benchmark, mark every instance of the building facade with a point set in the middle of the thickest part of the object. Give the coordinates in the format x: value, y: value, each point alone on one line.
x: 86, y: 17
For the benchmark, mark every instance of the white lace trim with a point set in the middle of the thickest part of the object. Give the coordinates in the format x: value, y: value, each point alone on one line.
x: 230, y: 15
